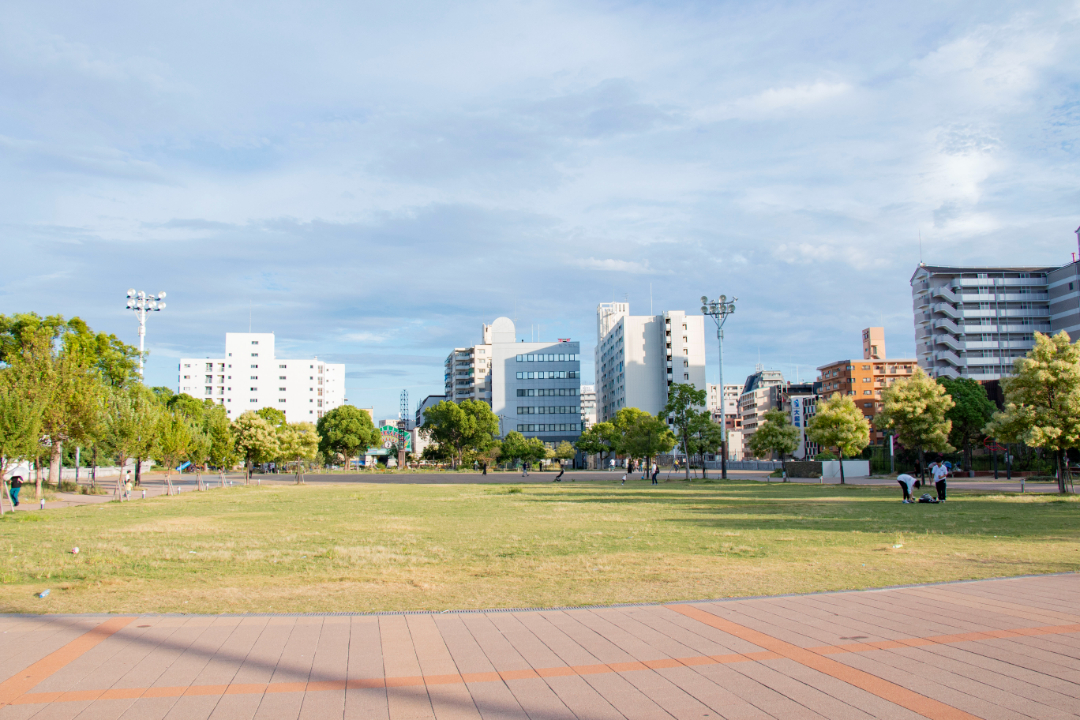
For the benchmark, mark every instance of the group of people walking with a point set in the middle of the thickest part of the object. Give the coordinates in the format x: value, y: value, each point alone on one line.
x: 939, y: 472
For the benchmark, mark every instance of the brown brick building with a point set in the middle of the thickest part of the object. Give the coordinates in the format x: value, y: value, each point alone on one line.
x: 863, y: 380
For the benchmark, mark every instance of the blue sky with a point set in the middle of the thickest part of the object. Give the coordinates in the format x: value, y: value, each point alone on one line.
x: 373, y: 181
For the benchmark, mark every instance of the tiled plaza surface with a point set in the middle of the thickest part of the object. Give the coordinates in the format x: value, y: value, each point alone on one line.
x: 990, y: 649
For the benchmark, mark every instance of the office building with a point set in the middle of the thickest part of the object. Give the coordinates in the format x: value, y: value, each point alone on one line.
x: 638, y: 357
x: 251, y: 376
x: 588, y: 406
x: 799, y: 402
x: 533, y: 387
x: 864, y: 380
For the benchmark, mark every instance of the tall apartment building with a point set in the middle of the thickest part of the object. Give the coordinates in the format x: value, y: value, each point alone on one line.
x: 757, y: 398
x: 974, y: 322
x: 638, y: 357
x: 251, y: 376
x: 588, y: 406
x: 864, y: 380
x: 423, y: 405
x: 467, y: 371
x: 731, y: 399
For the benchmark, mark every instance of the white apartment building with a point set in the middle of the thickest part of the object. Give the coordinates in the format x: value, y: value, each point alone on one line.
x: 731, y: 399
x: 588, y: 406
x: 758, y: 396
x: 467, y: 371
x: 251, y: 376
x: 639, y: 356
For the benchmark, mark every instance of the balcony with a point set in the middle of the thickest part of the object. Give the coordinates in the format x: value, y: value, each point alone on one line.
x: 950, y: 341
x: 949, y: 357
x: 949, y: 325
x: 947, y: 309
x: 947, y: 372
x: 946, y: 293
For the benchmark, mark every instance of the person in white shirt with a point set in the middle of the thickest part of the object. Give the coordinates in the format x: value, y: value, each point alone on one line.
x: 907, y: 483
x: 940, y: 471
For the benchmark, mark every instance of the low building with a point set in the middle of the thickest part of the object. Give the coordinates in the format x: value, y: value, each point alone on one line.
x: 251, y: 376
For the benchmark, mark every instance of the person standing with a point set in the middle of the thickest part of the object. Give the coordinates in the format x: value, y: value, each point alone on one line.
x: 655, y: 472
x: 15, y: 489
x: 940, y: 471
x: 525, y: 469
x: 907, y: 484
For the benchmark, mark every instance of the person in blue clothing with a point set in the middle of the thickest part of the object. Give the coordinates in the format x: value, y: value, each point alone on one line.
x: 15, y: 489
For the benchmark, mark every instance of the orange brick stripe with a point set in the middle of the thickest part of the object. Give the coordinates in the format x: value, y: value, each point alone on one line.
x: 776, y: 651
x: 927, y: 707
x: 17, y: 685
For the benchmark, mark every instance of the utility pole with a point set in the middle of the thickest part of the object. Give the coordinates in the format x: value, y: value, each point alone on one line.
x: 719, y: 310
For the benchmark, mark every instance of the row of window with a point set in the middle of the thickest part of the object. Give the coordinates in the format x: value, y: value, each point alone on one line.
x: 549, y: 357
x: 549, y: 375
x: 221, y: 366
x: 549, y: 410
x: 551, y: 427
x: 547, y: 392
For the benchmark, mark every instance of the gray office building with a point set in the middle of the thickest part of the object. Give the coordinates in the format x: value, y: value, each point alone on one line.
x: 535, y: 386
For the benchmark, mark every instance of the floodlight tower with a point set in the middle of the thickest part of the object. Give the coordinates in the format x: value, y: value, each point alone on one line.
x: 719, y: 310
x: 403, y: 428
x: 142, y: 303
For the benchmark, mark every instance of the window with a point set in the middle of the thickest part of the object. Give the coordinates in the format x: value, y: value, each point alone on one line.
x: 254, y: 354
x: 281, y: 366
x: 254, y: 389
x: 281, y: 400
x: 530, y: 358
x: 253, y: 400
x: 520, y: 357
x: 254, y: 377
x: 255, y: 366
x: 686, y: 376
x: 282, y: 390
x: 254, y: 342
x: 209, y: 390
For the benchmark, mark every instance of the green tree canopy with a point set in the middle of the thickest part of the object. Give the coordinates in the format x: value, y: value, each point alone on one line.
x: 775, y: 435
x: 971, y: 412
x: 1042, y: 399
x: 915, y: 409
x: 685, y: 405
x: 174, y: 438
x: 130, y: 423
x: 347, y: 430
x: 565, y: 451
x: 256, y: 440
x: 839, y: 424
x: 706, y: 437
x: 190, y: 407
x: 601, y: 438
x: 461, y: 427
x: 273, y: 416
x: 512, y: 448
x: 20, y: 425
x: 298, y: 442
x: 645, y: 436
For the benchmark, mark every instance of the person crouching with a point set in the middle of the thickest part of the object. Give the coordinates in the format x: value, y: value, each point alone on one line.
x: 907, y: 483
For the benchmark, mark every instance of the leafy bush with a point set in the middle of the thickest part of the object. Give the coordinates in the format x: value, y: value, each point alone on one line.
x: 824, y: 456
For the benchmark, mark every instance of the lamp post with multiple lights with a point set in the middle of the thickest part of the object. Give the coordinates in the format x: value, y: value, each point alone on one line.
x: 142, y: 303
x: 719, y: 310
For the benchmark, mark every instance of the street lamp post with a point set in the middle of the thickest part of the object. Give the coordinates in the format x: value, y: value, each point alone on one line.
x: 719, y: 310
x: 142, y: 303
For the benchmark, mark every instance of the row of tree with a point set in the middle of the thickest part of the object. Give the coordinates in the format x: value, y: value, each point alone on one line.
x: 1042, y: 410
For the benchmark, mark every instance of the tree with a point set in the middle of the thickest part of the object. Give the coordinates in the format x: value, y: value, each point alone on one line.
x: 162, y: 393
x: 565, y: 451
x: 597, y: 440
x: 20, y: 427
x: 273, y: 416
x: 461, y: 427
x: 776, y: 435
x: 222, y: 444
x: 198, y: 453
x: 347, y: 430
x: 706, y: 437
x: 188, y: 406
x: 971, y: 412
x: 1042, y: 400
x: 489, y: 455
x: 130, y: 423
x: 915, y: 408
x: 645, y: 436
x: 299, y: 442
x: 513, y: 447
x: 839, y: 424
x: 174, y: 438
x: 256, y: 440
x: 685, y: 404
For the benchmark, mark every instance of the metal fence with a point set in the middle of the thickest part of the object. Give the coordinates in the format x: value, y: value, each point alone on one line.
x: 769, y: 465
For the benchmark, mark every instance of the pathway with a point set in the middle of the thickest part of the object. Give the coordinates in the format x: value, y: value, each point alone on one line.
x: 1006, y: 649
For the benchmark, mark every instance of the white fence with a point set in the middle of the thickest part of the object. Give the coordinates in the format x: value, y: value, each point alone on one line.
x: 852, y: 468
x: 769, y: 465
x: 27, y: 471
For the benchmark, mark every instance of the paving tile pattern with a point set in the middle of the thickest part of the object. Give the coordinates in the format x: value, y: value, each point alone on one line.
x: 992, y: 649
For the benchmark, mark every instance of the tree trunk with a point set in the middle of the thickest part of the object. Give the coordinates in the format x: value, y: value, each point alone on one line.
x: 37, y: 476
x: 840, y: 453
x: 138, y: 471
x: 686, y: 453
x: 922, y: 467
x: 1060, y: 472
x: 247, y: 472
x: 54, y: 464
x: 93, y: 470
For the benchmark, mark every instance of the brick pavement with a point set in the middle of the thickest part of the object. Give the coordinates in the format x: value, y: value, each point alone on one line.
x: 989, y: 649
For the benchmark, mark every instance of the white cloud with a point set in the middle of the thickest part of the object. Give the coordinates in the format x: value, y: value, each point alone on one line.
x: 613, y: 265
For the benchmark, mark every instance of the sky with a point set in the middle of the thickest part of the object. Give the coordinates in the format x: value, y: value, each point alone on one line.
x: 374, y: 181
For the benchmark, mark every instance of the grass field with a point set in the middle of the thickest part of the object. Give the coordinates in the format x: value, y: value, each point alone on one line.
x: 425, y: 547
